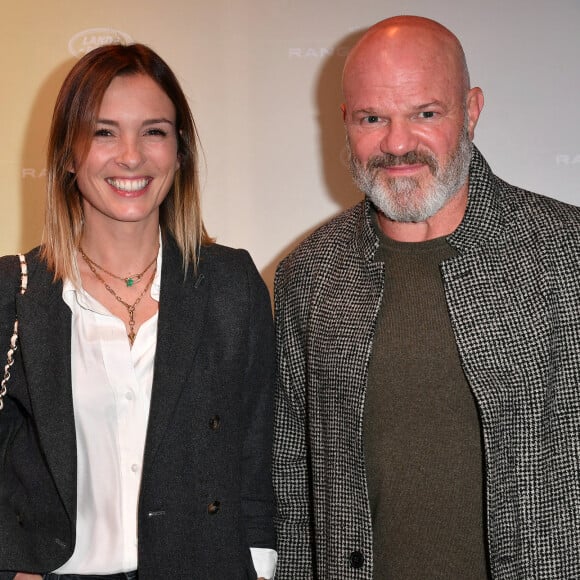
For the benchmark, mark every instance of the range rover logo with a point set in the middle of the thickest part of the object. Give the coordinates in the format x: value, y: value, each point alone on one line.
x: 86, y: 40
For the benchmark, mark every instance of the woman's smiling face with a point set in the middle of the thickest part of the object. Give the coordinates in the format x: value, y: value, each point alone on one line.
x: 132, y: 159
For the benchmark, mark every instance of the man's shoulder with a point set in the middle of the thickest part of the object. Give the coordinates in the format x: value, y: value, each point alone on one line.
x: 523, y: 215
x: 328, y: 240
x: 539, y: 212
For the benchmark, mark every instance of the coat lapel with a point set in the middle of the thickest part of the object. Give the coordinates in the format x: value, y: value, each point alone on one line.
x: 44, y: 329
x: 179, y: 331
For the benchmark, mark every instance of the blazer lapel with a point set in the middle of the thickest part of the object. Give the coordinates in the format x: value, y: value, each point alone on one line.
x: 180, y: 328
x: 44, y: 334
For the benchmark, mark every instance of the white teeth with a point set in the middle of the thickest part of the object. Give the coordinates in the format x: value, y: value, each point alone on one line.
x: 128, y: 184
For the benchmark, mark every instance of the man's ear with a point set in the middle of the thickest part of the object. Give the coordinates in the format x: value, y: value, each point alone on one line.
x: 474, y: 105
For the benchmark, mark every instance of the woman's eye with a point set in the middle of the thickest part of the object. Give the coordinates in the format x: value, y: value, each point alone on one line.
x: 102, y: 133
x: 156, y: 132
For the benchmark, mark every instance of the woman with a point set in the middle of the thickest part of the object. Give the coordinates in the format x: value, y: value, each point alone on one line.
x: 135, y: 433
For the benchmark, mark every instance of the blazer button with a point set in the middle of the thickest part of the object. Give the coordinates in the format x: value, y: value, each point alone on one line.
x: 214, y: 423
x: 213, y: 508
x: 356, y: 559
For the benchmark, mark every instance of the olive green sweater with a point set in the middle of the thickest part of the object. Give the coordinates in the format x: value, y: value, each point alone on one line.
x: 421, y: 431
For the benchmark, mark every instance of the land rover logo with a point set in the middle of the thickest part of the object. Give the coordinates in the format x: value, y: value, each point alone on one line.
x: 86, y: 40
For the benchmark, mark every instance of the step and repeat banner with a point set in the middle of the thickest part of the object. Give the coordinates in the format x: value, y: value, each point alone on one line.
x: 263, y: 81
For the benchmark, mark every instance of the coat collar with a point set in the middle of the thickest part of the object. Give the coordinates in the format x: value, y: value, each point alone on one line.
x: 482, y: 220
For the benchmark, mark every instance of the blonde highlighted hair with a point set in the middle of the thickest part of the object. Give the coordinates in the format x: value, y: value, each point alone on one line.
x: 73, y: 124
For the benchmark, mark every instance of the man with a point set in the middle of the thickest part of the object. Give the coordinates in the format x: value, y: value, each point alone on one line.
x: 428, y: 412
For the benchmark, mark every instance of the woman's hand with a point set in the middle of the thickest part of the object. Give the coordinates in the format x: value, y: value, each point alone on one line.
x: 25, y: 576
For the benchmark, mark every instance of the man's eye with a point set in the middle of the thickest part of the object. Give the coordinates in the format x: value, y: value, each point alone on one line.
x: 371, y: 119
x: 427, y: 114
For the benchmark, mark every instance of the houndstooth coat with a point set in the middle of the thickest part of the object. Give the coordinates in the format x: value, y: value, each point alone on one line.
x: 513, y: 293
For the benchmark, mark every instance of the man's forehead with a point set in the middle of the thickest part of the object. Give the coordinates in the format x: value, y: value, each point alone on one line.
x: 410, y: 72
x: 413, y: 80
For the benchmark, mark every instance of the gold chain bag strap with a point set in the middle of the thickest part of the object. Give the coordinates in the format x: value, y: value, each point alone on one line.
x: 14, y: 339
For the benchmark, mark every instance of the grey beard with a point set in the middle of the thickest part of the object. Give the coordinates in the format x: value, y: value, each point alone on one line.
x: 397, y: 198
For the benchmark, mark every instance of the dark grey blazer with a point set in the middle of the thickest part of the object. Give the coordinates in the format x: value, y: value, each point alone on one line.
x: 206, y: 493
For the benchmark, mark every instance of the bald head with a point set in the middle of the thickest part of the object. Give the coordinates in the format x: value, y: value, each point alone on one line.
x: 410, y: 41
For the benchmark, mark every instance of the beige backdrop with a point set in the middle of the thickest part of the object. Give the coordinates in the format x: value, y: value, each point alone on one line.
x: 263, y: 76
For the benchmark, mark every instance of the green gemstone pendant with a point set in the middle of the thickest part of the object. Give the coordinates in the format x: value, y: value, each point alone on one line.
x: 129, y: 281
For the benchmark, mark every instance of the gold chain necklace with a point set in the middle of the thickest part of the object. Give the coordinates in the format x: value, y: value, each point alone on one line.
x: 130, y: 307
x: 130, y: 280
